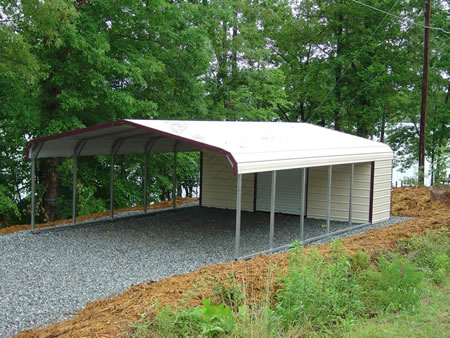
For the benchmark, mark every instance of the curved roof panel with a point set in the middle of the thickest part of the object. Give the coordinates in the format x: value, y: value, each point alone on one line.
x: 250, y: 146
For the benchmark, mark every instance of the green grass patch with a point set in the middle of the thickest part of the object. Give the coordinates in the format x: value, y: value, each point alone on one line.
x: 430, y: 318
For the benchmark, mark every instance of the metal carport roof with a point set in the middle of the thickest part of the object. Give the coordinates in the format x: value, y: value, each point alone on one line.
x: 250, y: 146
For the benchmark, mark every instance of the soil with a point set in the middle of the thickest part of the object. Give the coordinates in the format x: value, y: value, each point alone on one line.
x: 112, y: 317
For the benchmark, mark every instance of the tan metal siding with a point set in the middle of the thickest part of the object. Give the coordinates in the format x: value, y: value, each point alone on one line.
x: 340, y: 187
x: 219, y: 184
x: 288, y: 191
x: 382, y: 191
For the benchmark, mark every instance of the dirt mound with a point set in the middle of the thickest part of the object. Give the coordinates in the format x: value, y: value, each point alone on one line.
x: 161, y: 205
x: 111, y: 317
x: 441, y: 193
x: 418, y: 202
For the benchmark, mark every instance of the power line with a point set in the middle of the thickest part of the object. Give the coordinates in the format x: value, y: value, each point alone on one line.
x: 401, y: 17
x: 349, y: 65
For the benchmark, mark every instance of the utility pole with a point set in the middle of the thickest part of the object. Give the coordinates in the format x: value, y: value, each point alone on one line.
x: 423, y: 107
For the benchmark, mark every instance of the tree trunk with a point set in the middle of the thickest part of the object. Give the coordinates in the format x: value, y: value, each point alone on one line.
x: 383, y: 126
x: 51, y: 181
x: 302, y: 111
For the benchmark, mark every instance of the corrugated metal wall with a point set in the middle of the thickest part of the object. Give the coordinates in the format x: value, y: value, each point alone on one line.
x: 288, y: 191
x: 219, y: 183
x: 219, y: 189
x: 318, y: 190
x: 382, y: 191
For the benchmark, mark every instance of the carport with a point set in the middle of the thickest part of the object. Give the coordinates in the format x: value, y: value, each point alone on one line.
x: 322, y: 173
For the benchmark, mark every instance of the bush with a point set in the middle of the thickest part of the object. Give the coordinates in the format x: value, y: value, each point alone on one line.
x: 318, y: 291
x: 393, y: 285
x: 229, y: 294
x: 430, y: 252
x: 207, y: 320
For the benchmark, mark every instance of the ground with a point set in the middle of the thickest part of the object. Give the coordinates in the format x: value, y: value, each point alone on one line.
x: 112, y: 316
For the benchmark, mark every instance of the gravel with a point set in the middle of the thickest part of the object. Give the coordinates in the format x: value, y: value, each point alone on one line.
x: 47, y: 276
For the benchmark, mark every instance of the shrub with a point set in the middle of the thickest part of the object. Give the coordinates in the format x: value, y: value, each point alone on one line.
x: 393, y: 285
x: 360, y: 261
x: 229, y: 294
x: 430, y: 252
x: 207, y: 320
x: 318, y: 291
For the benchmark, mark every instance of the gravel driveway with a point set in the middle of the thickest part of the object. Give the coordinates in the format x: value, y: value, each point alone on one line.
x: 46, y: 277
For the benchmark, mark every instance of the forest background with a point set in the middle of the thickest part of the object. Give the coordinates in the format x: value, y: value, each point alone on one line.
x: 349, y: 65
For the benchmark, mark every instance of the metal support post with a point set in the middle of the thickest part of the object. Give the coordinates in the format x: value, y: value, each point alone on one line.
x: 145, y: 181
x: 272, y: 208
x: 147, y: 148
x: 238, y: 216
x: 350, y: 195
x: 111, y: 189
x: 114, y: 150
x: 330, y: 170
x: 74, y: 189
x: 174, y: 177
x: 302, y: 206
x: 33, y: 193
x: 76, y: 152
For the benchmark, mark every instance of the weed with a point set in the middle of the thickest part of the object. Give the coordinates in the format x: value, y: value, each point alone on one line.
x: 430, y: 252
x: 360, y: 261
x: 317, y: 291
x: 207, y: 320
x: 229, y: 294
x: 393, y: 285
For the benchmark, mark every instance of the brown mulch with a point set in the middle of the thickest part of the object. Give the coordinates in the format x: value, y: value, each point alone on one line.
x: 112, y: 317
x: 162, y: 205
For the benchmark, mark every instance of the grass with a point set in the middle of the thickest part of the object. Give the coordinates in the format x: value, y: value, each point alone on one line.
x: 431, y: 318
x: 403, y: 293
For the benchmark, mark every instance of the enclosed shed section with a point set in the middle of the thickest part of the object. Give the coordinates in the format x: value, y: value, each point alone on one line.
x: 370, y: 190
x: 292, y: 168
x: 340, y: 192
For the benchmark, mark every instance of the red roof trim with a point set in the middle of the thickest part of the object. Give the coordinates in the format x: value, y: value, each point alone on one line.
x: 135, y: 125
x: 187, y: 140
x: 72, y: 132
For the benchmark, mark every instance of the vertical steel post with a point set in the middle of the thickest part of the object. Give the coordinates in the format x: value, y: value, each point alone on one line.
x: 272, y: 208
x: 145, y: 181
x: 174, y: 179
x: 350, y: 195
x: 74, y: 189
x: 111, y: 188
x: 33, y: 192
x: 330, y: 170
x: 302, y: 206
x: 238, y: 216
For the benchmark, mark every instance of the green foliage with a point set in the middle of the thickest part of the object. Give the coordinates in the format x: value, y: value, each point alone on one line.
x: 430, y: 252
x: 410, y: 181
x: 208, y: 320
x: 360, y: 261
x: 323, y: 296
x: 318, y: 291
x: 7, y: 206
x: 229, y: 294
x: 393, y: 285
x: 442, y: 164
